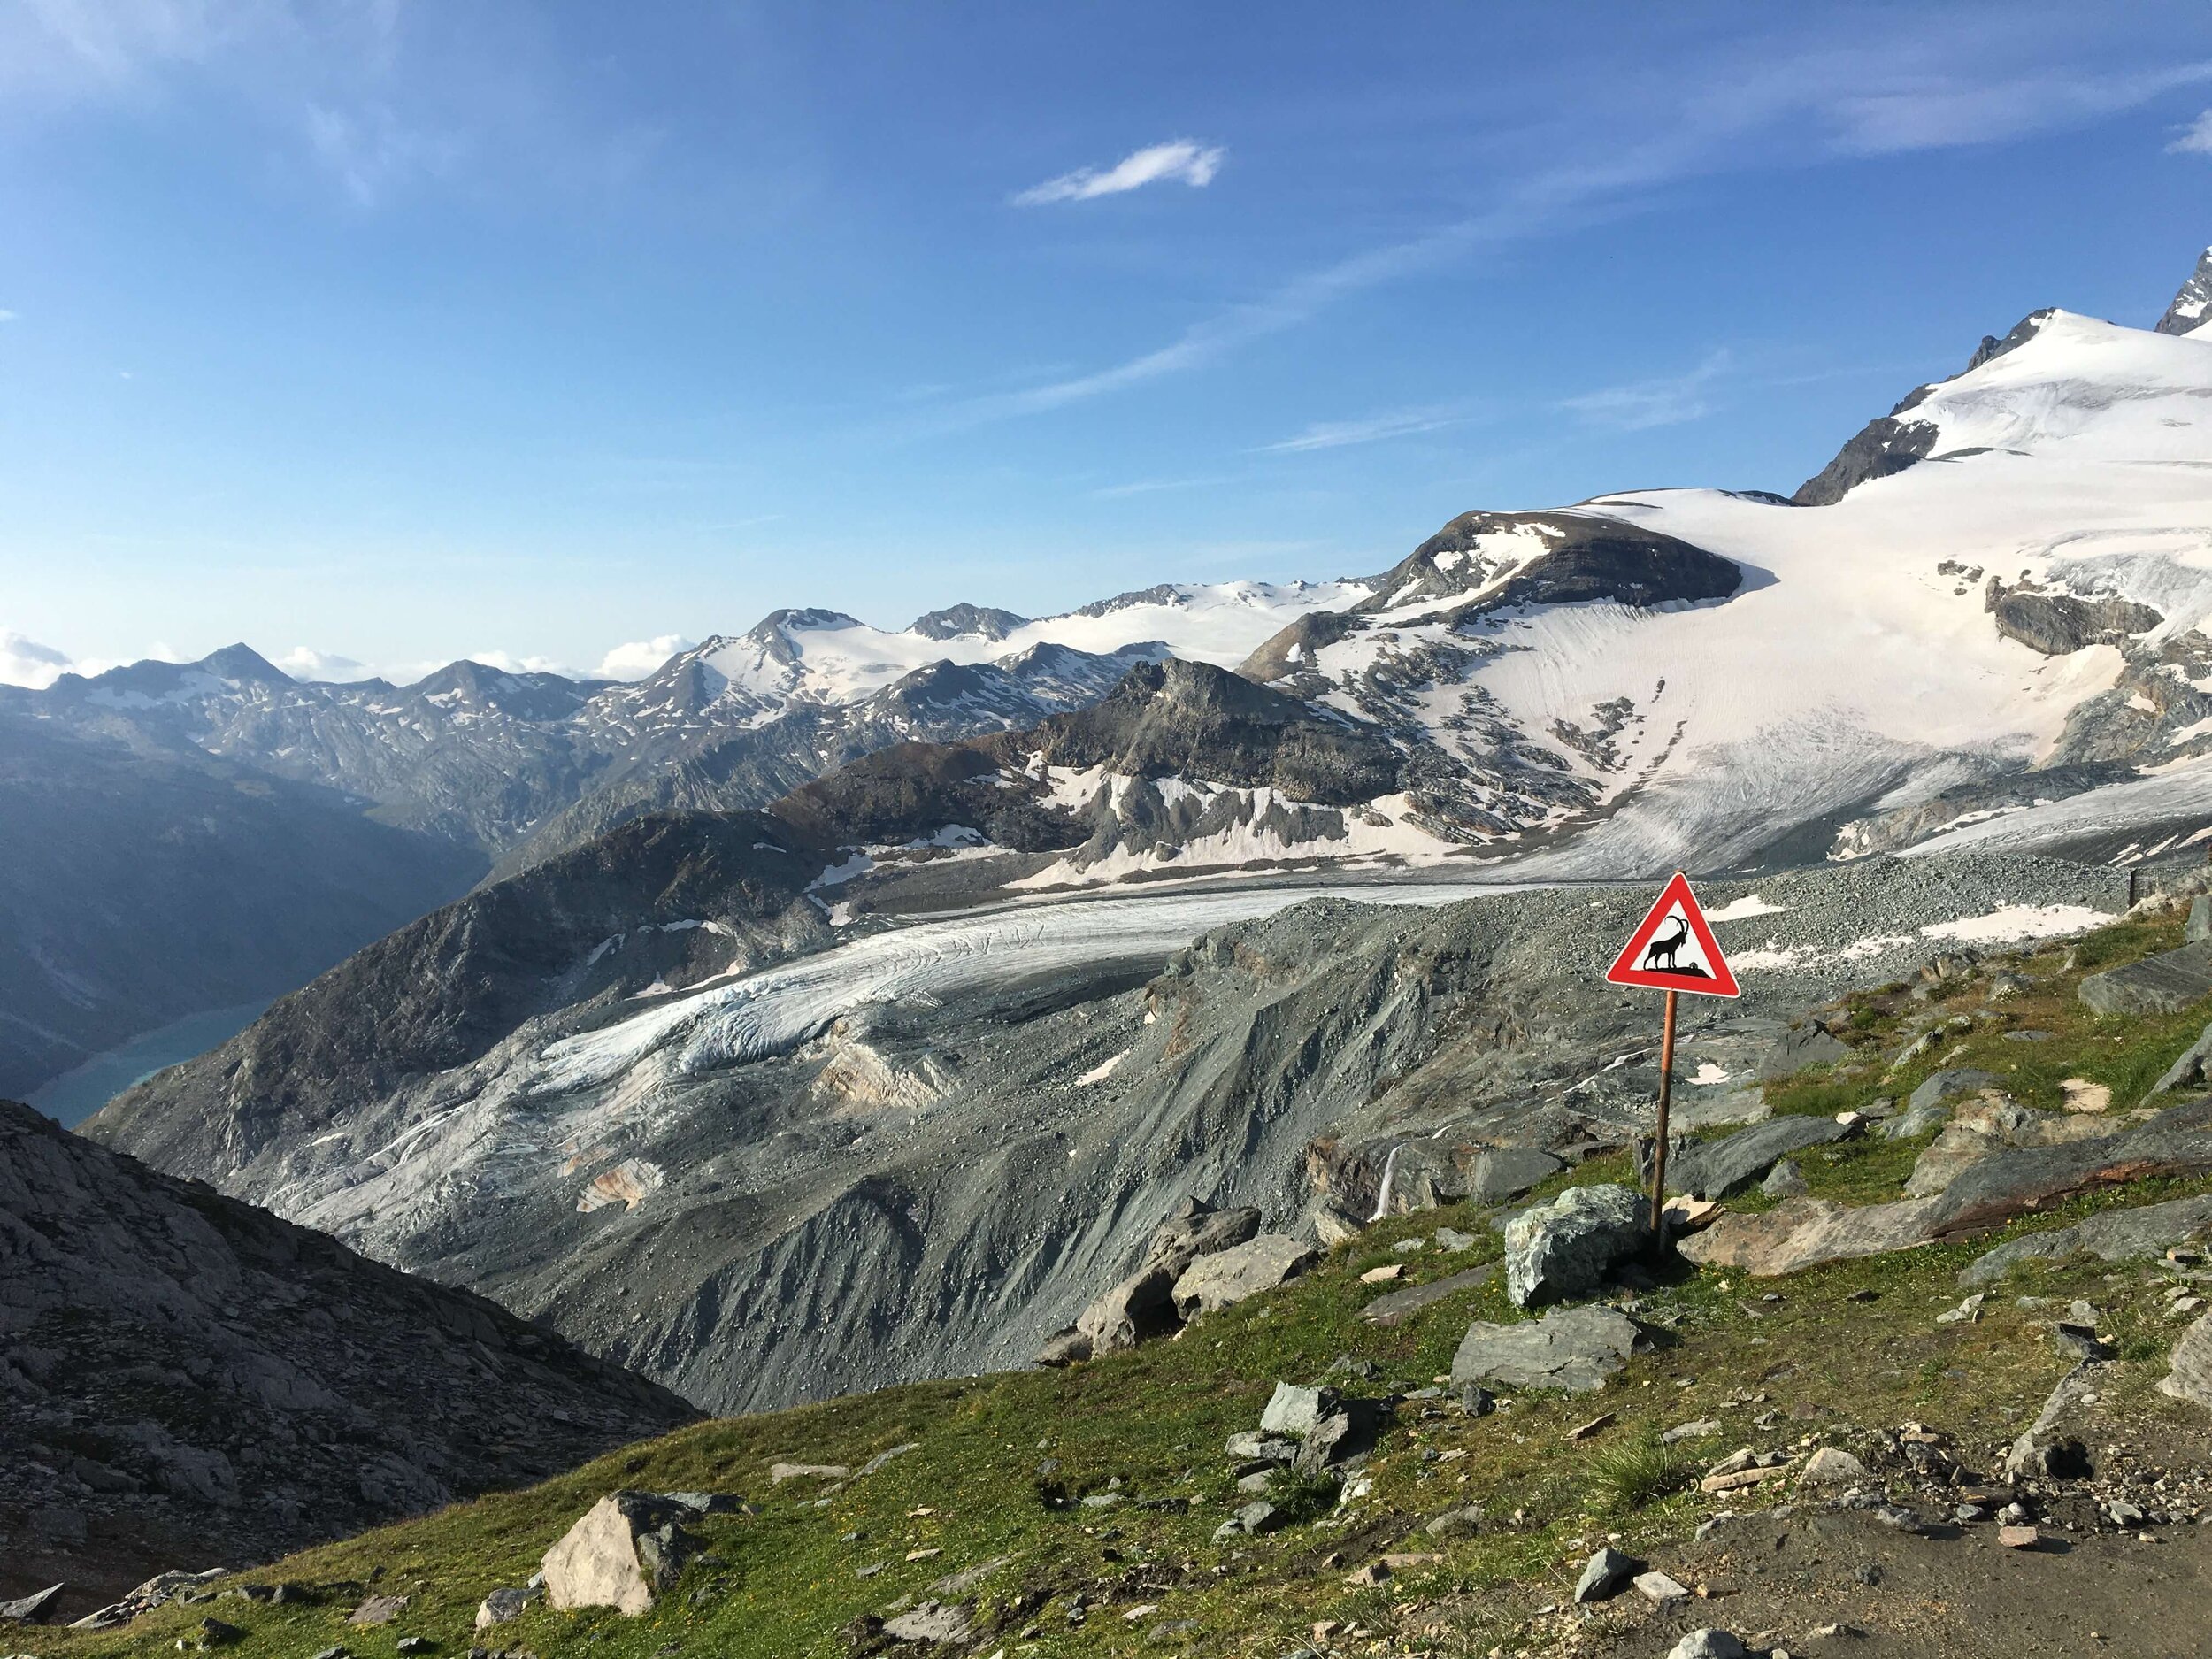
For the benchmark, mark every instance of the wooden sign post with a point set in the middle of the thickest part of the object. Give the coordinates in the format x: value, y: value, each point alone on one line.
x: 1673, y: 950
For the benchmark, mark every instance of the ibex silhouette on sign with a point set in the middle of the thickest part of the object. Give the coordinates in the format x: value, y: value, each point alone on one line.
x: 1660, y: 952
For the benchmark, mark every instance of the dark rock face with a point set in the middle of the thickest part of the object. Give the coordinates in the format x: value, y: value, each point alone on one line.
x: 1883, y: 446
x: 2193, y: 304
x: 1190, y: 719
x: 1722, y: 1168
x: 587, y: 928
x: 2055, y: 624
x: 144, y: 882
x: 955, y: 620
x: 184, y: 1377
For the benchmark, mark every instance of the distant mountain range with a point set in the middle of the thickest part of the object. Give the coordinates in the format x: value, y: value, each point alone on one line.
x: 1977, y: 625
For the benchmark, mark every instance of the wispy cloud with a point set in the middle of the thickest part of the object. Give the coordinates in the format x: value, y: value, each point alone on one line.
x: 304, y: 662
x: 1152, y: 486
x: 2194, y: 139
x: 1337, y: 435
x: 370, y: 150
x: 11, y: 317
x: 1941, y: 111
x: 1181, y: 159
x: 1639, y: 405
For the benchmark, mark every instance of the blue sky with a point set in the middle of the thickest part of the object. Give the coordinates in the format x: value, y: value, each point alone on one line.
x: 392, y: 332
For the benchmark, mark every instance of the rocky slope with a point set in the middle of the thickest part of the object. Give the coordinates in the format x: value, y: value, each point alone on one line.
x: 141, y: 883
x: 185, y: 1378
x: 790, y: 1183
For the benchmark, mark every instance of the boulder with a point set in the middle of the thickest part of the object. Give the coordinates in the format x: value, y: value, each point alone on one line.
x: 1709, y: 1644
x: 1832, y: 1466
x: 1562, y: 1248
x: 624, y: 1551
x: 1260, y: 1448
x: 1400, y: 1305
x: 2188, y: 1070
x: 2163, y: 983
x: 1800, y: 1232
x: 1570, y: 1348
x: 378, y: 1610
x: 502, y: 1605
x: 35, y: 1609
x: 2199, y: 926
x: 937, y: 1623
x: 1196, y: 1229
x: 1293, y: 1410
x: 1939, y: 1086
x: 1334, y: 1227
x: 2112, y: 1235
x: 1500, y: 1173
x: 1722, y: 1168
x: 2189, y: 1372
x: 1343, y: 1434
x: 1069, y: 1346
x: 1785, y: 1180
x: 1812, y: 1044
x: 1142, y: 1307
x: 1605, y: 1575
x: 1225, y: 1278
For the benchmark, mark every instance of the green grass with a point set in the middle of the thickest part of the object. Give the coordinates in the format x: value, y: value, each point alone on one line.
x: 1848, y: 1348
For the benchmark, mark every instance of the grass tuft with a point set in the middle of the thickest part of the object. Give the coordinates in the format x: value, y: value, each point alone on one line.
x: 1634, y: 1472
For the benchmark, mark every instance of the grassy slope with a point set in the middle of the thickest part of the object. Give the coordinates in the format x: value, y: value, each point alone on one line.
x: 784, y: 1582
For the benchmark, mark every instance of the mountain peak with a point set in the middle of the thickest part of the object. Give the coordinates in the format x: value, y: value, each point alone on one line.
x: 988, y: 621
x: 2192, y: 303
x: 241, y: 662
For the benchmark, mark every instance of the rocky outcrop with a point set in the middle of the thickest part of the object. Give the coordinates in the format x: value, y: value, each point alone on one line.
x: 1225, y: 1278
x: 1883, y: 446
x: 2194, y: 301
x: 622, y: 1553
x: 1722, y: 1167
x: 2056, y: 623
x: 1152, y: 1302
x: 2112, y: 1235
x: 2163, y: 983
x: 183, y: 1375
x: 1571, y: 1348
x: 1562, y: 1248
x: 2189, y: 1372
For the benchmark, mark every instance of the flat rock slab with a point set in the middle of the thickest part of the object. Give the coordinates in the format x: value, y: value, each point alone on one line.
x: 2113, y: 1235
x: 2163, y: 983
x: 1720, y: 1168
x: 1939, y: 1086
x: 2189, y: 1071
x: 1503, y: 1172
x: 1400, y: 1305
x: 1801, y: 1232
x: 1228, y: 1276
x: 1563, y: 1249
x: 1573, y: 1349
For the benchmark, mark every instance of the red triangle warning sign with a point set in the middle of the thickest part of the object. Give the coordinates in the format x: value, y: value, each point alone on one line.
x: 1673, y: 948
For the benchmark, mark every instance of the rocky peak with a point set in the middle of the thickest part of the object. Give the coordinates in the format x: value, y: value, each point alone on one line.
x: 2193, y: 301
x: 244, y: 665
x: 953, y: 621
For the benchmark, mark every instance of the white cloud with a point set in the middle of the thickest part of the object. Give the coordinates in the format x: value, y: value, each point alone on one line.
x: 304, y: 662
x: 1191, y: 163
x: 28, y: 663
x: 2194, y: 139
x: 1935, y: 111
x: 11, y: 317
x: 637, y: 658
x: 1641, y: 405
x: 507, y: 662
x: 1336, y: 434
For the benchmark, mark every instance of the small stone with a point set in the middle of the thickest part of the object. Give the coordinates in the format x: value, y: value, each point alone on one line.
x: 413, y: 1644
x: 2018, y: 1537
x: 1384, y: 1274
x: 1709, y: 1644
x: 1583, y: 1431
x: 1968, y: 1312
x: 378, y: 1610
x: 1696, y: 1431
x: 1257, y: 1518
x: 1477, y: 1400
x: 502, y: 1605
x: 1832, y: 1466
x: 1785, y: 1180
x: 1660, y: 1590
x: 1455, y: 1522
x: 1451, y: 1240
x: 1604, y: 1575
x: 1373, y: 1573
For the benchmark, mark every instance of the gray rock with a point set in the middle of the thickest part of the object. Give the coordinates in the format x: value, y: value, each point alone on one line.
x: 1340, y: 1436
x: 1262, y: 1448
x: 1395, y: 1307
x: 1605, y: 1575
x: 1477, y: 1400
x: 2200, y: 925
x: 1459, y: 1523
x: 1451, y: 1240
x: 1562, y: 1248
x: 1709, y: 1644
x: 1720, y: 1168
x: 730, y: 1503
x: 1070, y: 1347
x: 2188, y: 1071
x: 378, y: 1610
x: 2189, y: 1372
x: 1196, y: 1229
x: 1939, y: 1087
x: 1912, y: 1123
x: 937, y: 1623
x: 502, y: 1605
x: 1257, y: 1483
x: 1257, y: 1518
x: 1225, y: 1278
x: 1293, y: 1410
x: 1810, y: 1045
x: 1139, y: 1308
x: 621, y: 1552
x: 2113, y: 1236
x: 35, y: 1608
x: 1570, y: 1348
x: 2163, y: 983
x: 1785, y: 1180
x: 1501, y: 1173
